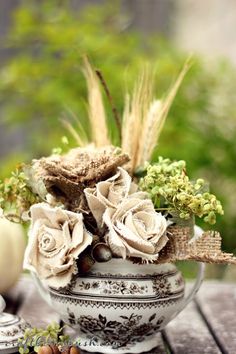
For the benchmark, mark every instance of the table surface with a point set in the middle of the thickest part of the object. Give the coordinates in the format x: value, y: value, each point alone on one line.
x: 207, y: 325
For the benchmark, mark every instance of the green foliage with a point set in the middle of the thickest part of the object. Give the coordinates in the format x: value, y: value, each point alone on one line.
x: 16, y: 196
x: 44, y: 77
x: 36, y: 337
x: 170, y: 188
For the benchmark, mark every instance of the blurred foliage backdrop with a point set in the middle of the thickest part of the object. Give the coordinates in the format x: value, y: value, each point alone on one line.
x: 43, y: 79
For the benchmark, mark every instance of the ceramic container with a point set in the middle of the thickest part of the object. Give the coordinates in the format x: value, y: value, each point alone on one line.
x: 119, y: 307
x: 12, y: 328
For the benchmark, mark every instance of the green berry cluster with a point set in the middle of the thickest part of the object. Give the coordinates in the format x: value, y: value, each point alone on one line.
x: 16, y: 196
x: 170, y: 189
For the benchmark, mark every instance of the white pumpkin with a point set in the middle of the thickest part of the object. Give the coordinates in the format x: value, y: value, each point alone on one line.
x: 12, y: 247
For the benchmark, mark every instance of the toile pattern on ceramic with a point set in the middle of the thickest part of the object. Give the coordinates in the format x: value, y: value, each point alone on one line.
x: 106, y: 225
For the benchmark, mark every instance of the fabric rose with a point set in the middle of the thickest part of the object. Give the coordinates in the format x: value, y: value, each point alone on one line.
x: 135, y: 229
x: 56, y: 239
x: 109, y: 193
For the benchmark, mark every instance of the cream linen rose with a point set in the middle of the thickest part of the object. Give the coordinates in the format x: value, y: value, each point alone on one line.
x: 110, y: 193
x: 56, y: 238
x: 135, y: 229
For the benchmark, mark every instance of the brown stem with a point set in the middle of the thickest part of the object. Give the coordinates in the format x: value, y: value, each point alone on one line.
x: 114, y: 110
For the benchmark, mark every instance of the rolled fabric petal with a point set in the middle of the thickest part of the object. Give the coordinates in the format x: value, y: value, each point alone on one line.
x: 110, y: 193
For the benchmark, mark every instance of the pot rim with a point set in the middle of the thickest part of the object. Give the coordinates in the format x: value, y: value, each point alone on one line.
x: 124, y: 266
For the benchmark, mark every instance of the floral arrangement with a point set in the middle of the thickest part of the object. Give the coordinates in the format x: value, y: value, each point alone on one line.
x: 99, y: 201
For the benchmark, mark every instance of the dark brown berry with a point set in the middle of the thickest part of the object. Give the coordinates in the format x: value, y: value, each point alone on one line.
x: 101, y: 252
x: 85, y: 263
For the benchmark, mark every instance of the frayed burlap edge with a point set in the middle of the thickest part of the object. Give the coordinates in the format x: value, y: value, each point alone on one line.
x: 205, y: 248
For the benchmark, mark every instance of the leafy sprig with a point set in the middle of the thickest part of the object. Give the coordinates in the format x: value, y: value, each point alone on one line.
x: 16, y: 196
x: 170, y: 189
x: 36, y: 337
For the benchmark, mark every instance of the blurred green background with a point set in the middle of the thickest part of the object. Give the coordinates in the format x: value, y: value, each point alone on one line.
x: 41, y: 81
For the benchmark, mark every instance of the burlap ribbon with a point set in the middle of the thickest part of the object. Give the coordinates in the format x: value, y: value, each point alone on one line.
x: 203, y: 248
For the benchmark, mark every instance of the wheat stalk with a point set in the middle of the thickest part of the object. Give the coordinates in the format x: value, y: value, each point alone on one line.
x: 110, y: 99
x: 74, y: 133
x: 170, y: 97
x: 96, y: 109
x: 144, y: 119
x: 78, y: 133
x: 134, y: 112
x: 148, y: 134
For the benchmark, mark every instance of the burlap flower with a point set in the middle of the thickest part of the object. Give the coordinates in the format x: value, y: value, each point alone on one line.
x: 56, y: 238
x: 110, y: 193
x: 135, y: 229
x: 65, y: 176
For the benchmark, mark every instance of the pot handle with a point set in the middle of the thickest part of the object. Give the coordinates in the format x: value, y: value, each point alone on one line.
x: 196, y: 286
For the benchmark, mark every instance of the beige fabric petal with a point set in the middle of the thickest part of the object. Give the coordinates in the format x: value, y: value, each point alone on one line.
x: 135, y: 240
x: 31, y: 252
x: 105, y: 195
x: 77, y: 234
x: 139, y: 195
x: 60, y: 280
x: 44, y: 211
x: 110, y: 193
x: 132, y: 252
x: 113, y: 240
x: 65, y: 234
x: 134, y: 225
x: 161, y: 243
x: 57, y: 269
x: 116, y: 244
x: 50, y: 263
x: 148, y: 220
x: 127, y: 206
x: 50, y: 241
x: 95, y: 205
x: 134, y: 189
x: 87, y: 240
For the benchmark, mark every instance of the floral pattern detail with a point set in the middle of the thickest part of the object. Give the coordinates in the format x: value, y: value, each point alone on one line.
x: 114, y: 287
x: 162, y: 287
x: 19, y: 329
x: 131, y: 275
x: 127, y: 331
x: 98, y: 303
